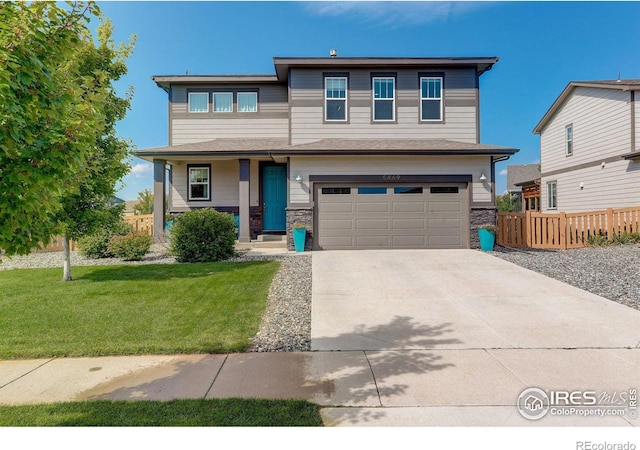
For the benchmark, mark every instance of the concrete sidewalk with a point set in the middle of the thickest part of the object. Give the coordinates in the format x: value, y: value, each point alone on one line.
x: 450, y: 387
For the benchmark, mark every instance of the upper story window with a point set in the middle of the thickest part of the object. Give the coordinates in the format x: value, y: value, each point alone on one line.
x: 222, y: 102
x: 568, y: 133
x: 198, y: 102
x: 430, y: 99
x: 247, y: 102
x: 384, y: 98
x: 199, y: 182
x: 335, y: 99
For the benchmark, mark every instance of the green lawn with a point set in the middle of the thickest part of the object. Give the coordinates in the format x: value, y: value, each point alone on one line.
x: 184, y: 413
x: 121, y: 310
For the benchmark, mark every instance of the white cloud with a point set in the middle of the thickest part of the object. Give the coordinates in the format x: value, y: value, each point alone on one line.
x: 395, y: 12
x: 141, y: 170
x: 503, y: 172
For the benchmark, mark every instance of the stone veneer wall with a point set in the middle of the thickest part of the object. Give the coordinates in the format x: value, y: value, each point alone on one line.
x: 303, y: 215
x: 479, y: 217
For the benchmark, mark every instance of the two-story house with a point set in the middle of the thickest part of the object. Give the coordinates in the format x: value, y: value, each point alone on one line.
x: 590, y: 147
x: 367, y: 152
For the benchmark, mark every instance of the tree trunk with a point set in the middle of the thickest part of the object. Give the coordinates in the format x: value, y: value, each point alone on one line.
x: 67, y: 258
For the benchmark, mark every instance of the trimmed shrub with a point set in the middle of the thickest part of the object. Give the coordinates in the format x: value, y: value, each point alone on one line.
x: 130, y: 247
x: 203, y: 235
x: 96, y: 246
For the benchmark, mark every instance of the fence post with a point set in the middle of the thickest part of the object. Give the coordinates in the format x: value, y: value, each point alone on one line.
x: 610, y: 227
x: 526, y: 229
x: 563, y: 230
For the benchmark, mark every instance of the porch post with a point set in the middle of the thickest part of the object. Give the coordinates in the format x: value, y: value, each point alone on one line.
x: 245, y: 229
x: 159, y: 180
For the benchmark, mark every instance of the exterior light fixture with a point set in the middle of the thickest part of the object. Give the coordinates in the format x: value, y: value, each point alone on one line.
x: 482, y: 177
x: 299, y: 178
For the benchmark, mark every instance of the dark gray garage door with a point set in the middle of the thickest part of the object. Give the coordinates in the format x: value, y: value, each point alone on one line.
x: 367, y: 216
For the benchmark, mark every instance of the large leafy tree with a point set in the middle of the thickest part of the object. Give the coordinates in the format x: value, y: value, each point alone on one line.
x: 88, y: 208
x: 59, y: 155
x: 48, y: 118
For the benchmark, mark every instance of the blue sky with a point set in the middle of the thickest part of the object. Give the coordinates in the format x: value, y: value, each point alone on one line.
x: 542, y: 46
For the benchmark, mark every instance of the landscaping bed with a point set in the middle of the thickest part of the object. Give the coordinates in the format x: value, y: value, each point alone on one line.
x: 612, y: 272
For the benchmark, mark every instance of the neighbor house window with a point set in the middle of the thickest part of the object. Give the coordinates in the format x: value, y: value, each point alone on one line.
x: 223, y: 102
x: 568, y: 133
x: 335, y: 99
x: 384, y: 98
x: 552, y: 195
x: 199, y: 182
x: 431, y: 99
x: 198, y: 102
x: 247, y: 102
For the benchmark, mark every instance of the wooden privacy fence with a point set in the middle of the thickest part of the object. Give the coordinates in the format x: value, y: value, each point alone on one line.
x: 564, y: 230
x: 143, y: 224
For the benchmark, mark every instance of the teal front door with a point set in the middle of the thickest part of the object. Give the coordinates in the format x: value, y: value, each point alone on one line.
x: 274, y: 198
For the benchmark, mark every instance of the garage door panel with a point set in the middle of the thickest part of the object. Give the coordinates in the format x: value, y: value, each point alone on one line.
x: 435, y: 224
x: 409, y: 224
x: 408, y: 207
x: 376, y: 241
x: 336, y: 224
x: 375, y: 207
x: 335, y: 207
x: 431, y: 215
x: 436, y: 207
x: 409, y: 241
x: 372, y: 224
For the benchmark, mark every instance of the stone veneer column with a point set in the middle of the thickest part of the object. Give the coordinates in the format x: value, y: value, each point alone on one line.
x: 302, y: 214
x: 159, y: 181
x: 478, y: 217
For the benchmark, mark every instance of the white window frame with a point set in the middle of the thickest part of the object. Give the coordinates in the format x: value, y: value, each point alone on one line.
x: 392, y: 100
x: 254, y: 94
x: 440, y: 99
x: 568, y: 140
x: 345, y: 99
x: 214, y: 102
x: 189, y: 105
x: 207, y: 183
x: 552, y: 195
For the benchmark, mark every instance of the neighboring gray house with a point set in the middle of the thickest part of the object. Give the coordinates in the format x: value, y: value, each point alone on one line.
x: 521, y: 173
x: 368, y: 152
x: 589, y: 147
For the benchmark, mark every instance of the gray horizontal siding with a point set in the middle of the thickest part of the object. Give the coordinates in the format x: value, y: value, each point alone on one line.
x: 272, y: 98
x: 307, y: 98
x: 188, y: 131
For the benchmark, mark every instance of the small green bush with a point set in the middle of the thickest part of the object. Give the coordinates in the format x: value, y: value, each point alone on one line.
x: 597, y: 240
x: 203, y: 235
x: 96, y: 246
x: 625, y: 238
x: 131, y: 247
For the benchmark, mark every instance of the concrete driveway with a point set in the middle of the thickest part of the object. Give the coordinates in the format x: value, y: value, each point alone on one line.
x: 457, y: 335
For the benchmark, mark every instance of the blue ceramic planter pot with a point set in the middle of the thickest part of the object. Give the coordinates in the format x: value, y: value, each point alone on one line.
x: 487, y: 240
x: 299, y: 237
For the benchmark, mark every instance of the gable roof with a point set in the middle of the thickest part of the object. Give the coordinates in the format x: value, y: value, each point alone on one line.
x: 517, y: 174
x: 622, y: 85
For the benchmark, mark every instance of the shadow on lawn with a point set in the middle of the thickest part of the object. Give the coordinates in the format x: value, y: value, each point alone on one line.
x: 153, y: 272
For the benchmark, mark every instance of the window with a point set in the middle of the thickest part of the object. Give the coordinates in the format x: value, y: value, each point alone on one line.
x: 552, y: 195
x: 336, y: 191
x: 223, y: 102
x: 384, y: 98
x: 373, y: 190
x: 568, y: 132
x: 407, y: 190
x: 444, y: 189
x: 198, y: 102
x: 247, y: 102
x: 431, y: 99
x: 335, y: 99
x: 199, y: 182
